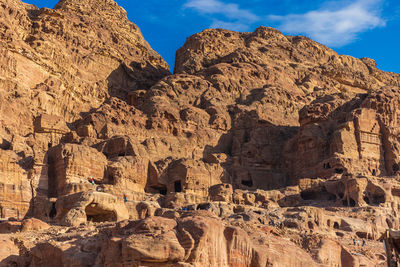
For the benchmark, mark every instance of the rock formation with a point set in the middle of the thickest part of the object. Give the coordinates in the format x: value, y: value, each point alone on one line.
x: 260, y: 150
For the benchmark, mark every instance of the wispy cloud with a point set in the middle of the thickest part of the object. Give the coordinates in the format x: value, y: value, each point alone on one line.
x: 335, y: 27
x: 336, y: 24
x: 237, y: 18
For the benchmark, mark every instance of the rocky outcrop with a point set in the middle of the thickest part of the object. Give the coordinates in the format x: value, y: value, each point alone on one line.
x: 79, y: 208
x: 158, y: 241
x: 8, y: 252
x: 354, y: 136
x: 185, y: 239
x: 62, y: 62
x: 260, y: 150
x: 15, y: 187
x: 288, y: 73
x: 74, y: 167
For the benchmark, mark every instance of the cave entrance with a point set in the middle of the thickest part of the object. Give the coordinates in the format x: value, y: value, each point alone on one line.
x: 53, y: 211
x: 96, y: 214
x: 321, y: 195
x: 338, y: 171
x: 350, y: 203
x: 178, y: 186
x: 159, y: 189
x: 162, y: 191
x: 375, y: 195
x: 336, y: 225
x: 248, y: 183
x: 308, y: 195
x: 395, y: 168
x: 378, y: 199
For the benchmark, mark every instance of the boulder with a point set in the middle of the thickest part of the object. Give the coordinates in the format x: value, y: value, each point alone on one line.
x: 33, y: 224
x: 90, y: 206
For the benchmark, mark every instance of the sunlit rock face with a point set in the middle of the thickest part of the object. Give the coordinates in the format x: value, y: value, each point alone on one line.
x: 356, y: 137
x: 260, y: 150
x: 57, y: 65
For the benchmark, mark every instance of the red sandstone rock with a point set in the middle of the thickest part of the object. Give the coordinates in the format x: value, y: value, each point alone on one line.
x: 34, y: 225
x: 7, y: 227
x: 7, y: 251
x: 286, y: 150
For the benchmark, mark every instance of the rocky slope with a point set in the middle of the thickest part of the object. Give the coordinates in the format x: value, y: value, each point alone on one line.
x: 260, y: 150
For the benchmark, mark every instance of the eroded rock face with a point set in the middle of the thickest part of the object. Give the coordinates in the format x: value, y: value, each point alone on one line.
x: 15, y: 187
x: 62, y: 62
x: 74, y: 167
x: 221, y: 192
x: 354, y: 136
x: 260, y: 150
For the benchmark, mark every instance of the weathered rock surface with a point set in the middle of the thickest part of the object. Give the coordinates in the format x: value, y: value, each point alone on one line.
x: 75, y: 209
x: 260, y: 150
x: 8, y: 251
x: 63, y: 62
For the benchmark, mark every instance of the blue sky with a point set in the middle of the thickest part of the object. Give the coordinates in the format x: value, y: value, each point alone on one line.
x: 360, y: 28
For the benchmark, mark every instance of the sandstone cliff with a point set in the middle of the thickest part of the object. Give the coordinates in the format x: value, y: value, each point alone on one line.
x: 292, y: 149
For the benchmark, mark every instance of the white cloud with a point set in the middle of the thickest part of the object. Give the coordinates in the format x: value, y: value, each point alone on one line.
x: 334, y: 27
x: 337, y: 24
x: 232, y: 11
x: 240, y: 19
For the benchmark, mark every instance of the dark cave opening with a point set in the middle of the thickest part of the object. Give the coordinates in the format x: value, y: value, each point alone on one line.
x: 338, y: 171
x: 95, y: 214
x: 352, y: 202
x: 336, y: 225
x: 178, y: 186
x: 53, y: 211
x: 248, y: 183
x: 395, y: 168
